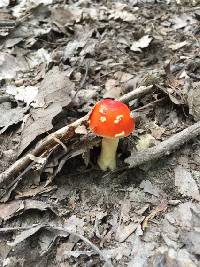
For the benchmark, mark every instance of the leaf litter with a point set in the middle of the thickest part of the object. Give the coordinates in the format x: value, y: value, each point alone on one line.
x: 55, y: 92
x: 57, y: 59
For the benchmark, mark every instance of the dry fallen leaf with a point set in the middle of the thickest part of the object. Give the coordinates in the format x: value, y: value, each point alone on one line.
x: 122, y: 14
x: 4, y: 3
x: 32, y: 192
x: 113, y: 89
x: 158, y: 209
x: 192, y: 241
x: 10, y: 116
x: 55, y: 92
x: 8, y: 66
x: 182, y: 21
x: 141, y: 43
x: 177, y: 46
x: 9, y: 210
x: 123, y: 232
x: 145, y: 141
x: 149, y: 188
x: 16, y: 207
x: 157, y: 132
x: 66, y: 16
x: 187, y: 186
x: 83, y: 41
x: 40, y: 56
x: 141, y: 253
x: 81, y: 129
x: 26, y: 94
x: 118, y: 253
x: 119, y: 12
x: 25, y: 234
x: 169, y: 256
x: 62, y: 249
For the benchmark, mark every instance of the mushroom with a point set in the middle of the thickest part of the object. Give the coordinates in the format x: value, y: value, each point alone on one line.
x: 110, y: 119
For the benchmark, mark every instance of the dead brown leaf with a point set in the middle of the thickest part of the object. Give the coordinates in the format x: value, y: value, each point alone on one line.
x: 113, y: 89
x: 54, y: 93
x: 158, y: 209
x: 124, y: 232
x: 16, y: 207
x: 32, y: 192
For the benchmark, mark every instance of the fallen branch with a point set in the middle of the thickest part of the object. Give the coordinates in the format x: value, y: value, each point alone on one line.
x: 164, y: 148
x: 138, y: 92
x: 49, y: 143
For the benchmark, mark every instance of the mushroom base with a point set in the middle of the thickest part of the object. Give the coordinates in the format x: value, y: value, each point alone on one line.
x: 107, y: 158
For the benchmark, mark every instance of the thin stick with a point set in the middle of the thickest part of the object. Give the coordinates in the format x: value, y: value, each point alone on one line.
x: 138, y: 92
x: 164, y: 148
x: 149, y: 105
x: 15, y: 229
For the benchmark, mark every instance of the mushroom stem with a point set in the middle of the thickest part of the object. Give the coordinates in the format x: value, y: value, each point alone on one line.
x: 107, y: 158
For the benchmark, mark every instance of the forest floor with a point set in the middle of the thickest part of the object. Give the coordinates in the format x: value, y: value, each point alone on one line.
x: 57, y: 59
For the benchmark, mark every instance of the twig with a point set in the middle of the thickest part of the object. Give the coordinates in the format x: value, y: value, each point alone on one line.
x: 150, y: 104
x: 164, y: 148
x: 138, y: 92
x: 15, y: 229
x: 192, y: 9
x: 60, y: 142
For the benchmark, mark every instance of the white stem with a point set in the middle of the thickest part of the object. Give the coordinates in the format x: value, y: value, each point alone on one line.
x: 107, y: 158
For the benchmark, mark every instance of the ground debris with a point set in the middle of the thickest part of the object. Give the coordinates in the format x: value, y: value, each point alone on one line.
x: 54, y: 93
x: 157, y: 210
x: 143, y: 42
x: 149, y: 188
x: 10, y: 115
x: 58, y: 58
x: 17, y: 207
x: 8, y: 66
x: 186, y: 184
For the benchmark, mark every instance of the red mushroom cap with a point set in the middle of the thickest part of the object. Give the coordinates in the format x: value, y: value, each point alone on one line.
x: 111, y: 118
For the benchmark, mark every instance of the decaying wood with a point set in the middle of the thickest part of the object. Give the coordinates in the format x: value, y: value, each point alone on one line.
x: 49, y: 143
x: 164, y: 148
